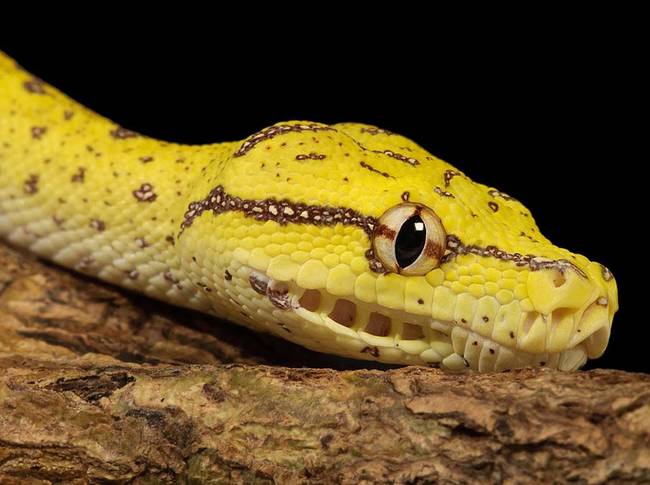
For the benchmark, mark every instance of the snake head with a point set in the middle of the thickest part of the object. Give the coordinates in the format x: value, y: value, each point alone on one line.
x: 355, y: 241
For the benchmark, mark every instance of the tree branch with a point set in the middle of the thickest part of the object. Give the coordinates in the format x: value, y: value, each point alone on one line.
x: 99, y: 385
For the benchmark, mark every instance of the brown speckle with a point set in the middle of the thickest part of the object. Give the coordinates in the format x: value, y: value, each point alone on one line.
x: 35, y: 86
x: 31, y: 184
x: 97, y: 224
x: 374, y: 351
x: 486, y: 319
x: 310, y: 156
x: 607, y: 274
x: 420, y: 301
x: 402, y: 158
x: 122, y: 133
x: 444, y: 193
x: 405, y: 196
x: 373, y: 169
x: 141, y: 242
x: 68, y: 114
x: 146, y: 159
x: 448, y: 175
x: 373, y: 130
x: 145, y: 193
x: 493, y: 205
x: 512, y: 334
x: 170, y: 239
x: 227, y: 276
x: 38, y: 132
x: 273, y: 131
x: 498, y: 193
x: 79, y: 175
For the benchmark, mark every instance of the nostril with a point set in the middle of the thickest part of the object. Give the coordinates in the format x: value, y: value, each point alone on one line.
x: 559, y: 279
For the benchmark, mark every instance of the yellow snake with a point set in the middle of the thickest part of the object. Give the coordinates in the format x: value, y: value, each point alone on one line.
x: 346, y: 238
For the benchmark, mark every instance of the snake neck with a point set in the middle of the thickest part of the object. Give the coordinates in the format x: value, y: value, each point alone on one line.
x: 77, y: 189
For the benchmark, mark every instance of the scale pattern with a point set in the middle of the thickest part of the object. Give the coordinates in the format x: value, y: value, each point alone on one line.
x: 275, y: 233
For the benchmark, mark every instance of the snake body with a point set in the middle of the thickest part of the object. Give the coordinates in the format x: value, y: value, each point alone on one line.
x: 289, y: 232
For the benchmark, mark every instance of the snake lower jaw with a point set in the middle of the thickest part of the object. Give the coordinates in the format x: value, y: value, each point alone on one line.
x: 348, y: 327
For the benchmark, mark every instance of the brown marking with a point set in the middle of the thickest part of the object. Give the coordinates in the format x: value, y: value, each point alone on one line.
x: 512, y: 334
x: 86, y: 262
x: 227, y: 276
x: 433, y: 250
x: 310, y: 156
x: 281, y: 211
x: 68, y: 114
x: 494, y: 206
x: 374, y: 351
x: 122, y: 133
x: 31, y: 184
x: 278, y: 294
x: 273, y: 131
x: 378, y: 325
x: 402, y: 158
x: 259, y: 284
x: 373, y: 130
x: 383, y: 230
x: 412, y: 332
x: 79, y: 176
x: 344, y: 312
x: 310, y: 300
x: 406, y: 196
x: 97, y: 224
x: 444, y: 193
x: 170, y: 240
x: 140, y: 241
x: 496, y: 193
x: 38, y: 132
x: 448, y: 175
x: 170, y: 277
x: 456, y: 247
x: 145, y: 193
x: 607, y: 274
x: 486, y: 319
x: 373, y: 169
x: 146, y: 159
x: 35, y: 86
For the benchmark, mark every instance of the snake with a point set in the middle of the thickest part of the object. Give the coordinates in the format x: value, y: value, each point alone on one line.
x: 346, y: 238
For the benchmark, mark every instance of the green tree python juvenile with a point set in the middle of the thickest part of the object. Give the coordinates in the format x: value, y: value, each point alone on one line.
x: 346, y: 239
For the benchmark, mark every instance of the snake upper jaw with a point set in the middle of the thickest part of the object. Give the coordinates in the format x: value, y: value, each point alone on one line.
x: 352, y: 328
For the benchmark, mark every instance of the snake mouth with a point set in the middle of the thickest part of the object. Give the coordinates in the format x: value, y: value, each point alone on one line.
x: 349, y: 327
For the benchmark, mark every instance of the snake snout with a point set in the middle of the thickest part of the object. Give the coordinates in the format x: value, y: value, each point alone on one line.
x: 580, y: 311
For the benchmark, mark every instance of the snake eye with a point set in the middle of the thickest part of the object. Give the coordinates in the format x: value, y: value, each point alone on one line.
x: 409, y: 239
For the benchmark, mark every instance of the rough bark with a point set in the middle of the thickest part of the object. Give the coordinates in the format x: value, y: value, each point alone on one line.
x: 97, y: 385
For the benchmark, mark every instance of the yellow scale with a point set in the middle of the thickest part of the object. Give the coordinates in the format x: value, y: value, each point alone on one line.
x: 346, y: 239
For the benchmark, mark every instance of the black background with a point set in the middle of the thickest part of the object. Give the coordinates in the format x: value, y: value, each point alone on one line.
x: 552, y: 115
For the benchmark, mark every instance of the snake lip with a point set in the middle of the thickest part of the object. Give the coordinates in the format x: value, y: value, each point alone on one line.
x: 353, y: 328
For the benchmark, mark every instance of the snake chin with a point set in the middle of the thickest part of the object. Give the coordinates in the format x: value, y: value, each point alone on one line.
x: 349, y: 327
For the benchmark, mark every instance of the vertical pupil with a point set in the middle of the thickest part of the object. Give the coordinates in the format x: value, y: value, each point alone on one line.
x: 410, y: 241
